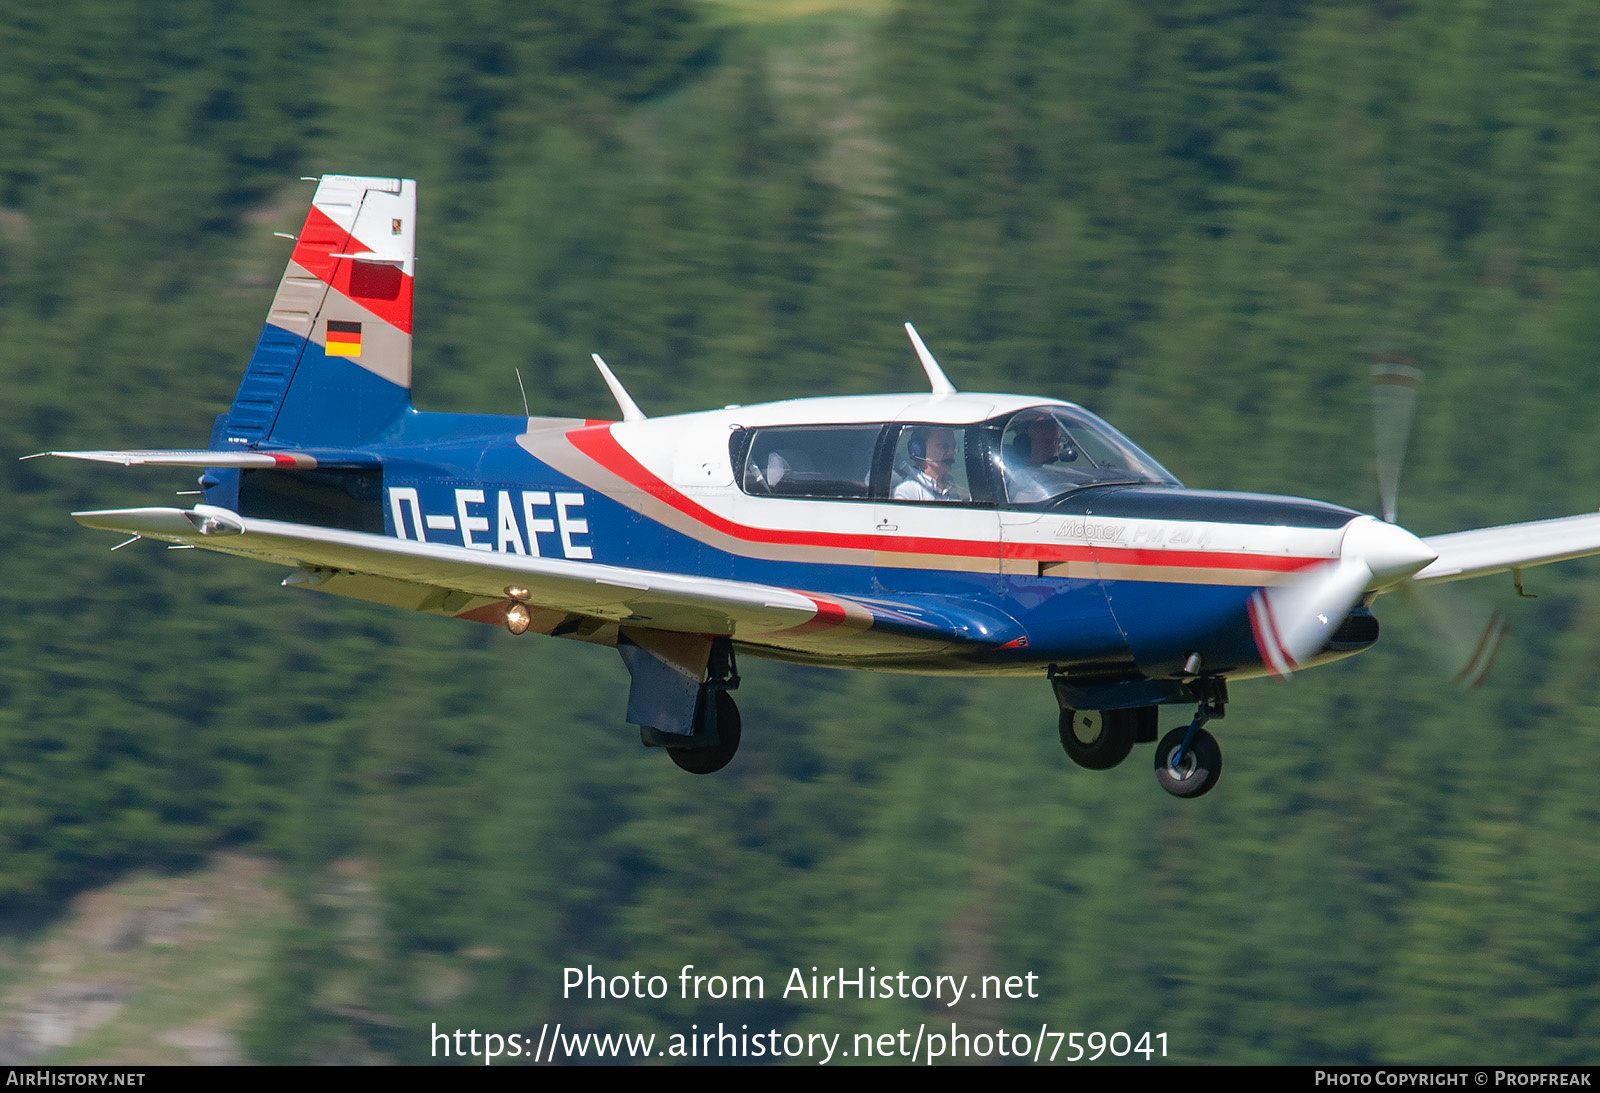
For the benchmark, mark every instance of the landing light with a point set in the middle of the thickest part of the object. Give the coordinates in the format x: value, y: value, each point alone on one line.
x: 518, y: 618
x: 516, y: 592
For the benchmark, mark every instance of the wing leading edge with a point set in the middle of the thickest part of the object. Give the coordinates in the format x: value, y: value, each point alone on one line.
x: 1483, y: 551
x: 377, y: 567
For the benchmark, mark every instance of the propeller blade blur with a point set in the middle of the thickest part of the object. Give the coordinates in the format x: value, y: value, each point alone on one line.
x: 1394, y: 402
x: 1465, y: 636
x: 1294, y: 621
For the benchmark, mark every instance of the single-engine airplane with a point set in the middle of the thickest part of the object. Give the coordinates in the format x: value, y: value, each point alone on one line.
x: 937, y: 533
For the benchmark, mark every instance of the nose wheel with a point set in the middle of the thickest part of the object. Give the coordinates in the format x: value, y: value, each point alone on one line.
x: 1189, y: 760
x: 1188, y: 771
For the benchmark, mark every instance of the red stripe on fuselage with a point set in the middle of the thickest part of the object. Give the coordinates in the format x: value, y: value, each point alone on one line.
x: 596, y: 442
x: 1196, y: 559
x: 320, y: 240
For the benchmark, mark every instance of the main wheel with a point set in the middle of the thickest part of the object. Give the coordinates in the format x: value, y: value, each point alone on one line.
x: 1098, y: 739
x: 712, y: 759
x: 1196, y: 772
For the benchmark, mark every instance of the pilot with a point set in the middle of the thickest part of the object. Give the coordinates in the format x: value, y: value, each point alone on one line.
x: 1038, y: 441
x: 933, y: 457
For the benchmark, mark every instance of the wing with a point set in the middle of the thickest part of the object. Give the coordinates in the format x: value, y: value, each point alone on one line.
x: 571, y: 596
x: 1464, y: 554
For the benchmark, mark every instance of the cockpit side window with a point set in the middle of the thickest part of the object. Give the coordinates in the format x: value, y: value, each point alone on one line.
x: 817, y: 461
x: 940, y: 464
x: 1050, y: 451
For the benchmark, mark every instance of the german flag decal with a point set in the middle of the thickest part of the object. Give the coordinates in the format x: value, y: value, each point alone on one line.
x: 344, y: 339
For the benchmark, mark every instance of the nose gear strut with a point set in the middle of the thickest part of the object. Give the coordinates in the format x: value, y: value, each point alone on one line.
x: 1189, y: 760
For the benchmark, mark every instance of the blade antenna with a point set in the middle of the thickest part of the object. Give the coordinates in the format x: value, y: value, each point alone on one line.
x: 525, y: 411
x: 630, y: 409
x: 1394, y: 402
x: 936, y: 377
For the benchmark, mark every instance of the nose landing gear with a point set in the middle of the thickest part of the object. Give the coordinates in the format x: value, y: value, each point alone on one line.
x: 1189, y: 760
x: 1192, y: 771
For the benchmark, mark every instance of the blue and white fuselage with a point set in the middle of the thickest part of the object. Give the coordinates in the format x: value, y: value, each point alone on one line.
x: 974, y: 586
x: 936, y: 533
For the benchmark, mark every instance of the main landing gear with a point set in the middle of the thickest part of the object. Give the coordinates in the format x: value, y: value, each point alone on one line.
x: 1100, y: 739
x: 679, y: 696
x: 717, y: 726
x: 1188, y: 761
x: 709, y: 760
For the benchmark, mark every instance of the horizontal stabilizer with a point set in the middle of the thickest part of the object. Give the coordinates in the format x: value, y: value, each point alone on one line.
x: 171, y: 525
x: 248, y: 458
x: 1464, y: 554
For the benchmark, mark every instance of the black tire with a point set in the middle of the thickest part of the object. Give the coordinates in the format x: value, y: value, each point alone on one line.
x: 1199, y: 769
x: 712, y: 759
x: 1098, y: 739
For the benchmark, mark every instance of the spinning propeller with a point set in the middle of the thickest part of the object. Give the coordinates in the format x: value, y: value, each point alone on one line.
x: 1466, y: 637
x: 1295, y: 621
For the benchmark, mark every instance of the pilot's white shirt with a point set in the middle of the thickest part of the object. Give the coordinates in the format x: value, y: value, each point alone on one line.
x: 921, y: 487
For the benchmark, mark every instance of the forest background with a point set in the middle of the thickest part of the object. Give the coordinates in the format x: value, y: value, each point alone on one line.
x: 1203, y: 219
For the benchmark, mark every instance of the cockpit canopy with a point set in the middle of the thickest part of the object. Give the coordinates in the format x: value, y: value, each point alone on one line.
x: 1023, y: 459
x: 1049, y: 451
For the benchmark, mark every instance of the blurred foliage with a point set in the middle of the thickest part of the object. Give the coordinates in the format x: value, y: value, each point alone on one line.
x: 1204, y: 218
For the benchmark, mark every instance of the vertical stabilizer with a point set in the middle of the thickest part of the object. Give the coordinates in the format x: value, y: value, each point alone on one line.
x: 333, y: 365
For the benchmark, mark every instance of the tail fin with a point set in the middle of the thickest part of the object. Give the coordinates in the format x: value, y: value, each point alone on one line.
x: 333, y: 366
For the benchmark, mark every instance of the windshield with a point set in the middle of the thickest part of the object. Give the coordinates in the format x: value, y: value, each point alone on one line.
x: 1048, y: 451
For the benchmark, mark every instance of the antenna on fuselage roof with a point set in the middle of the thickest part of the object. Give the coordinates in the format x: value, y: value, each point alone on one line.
x: 525, y: 411
x: 630, y: 409
x: 936, y: 377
